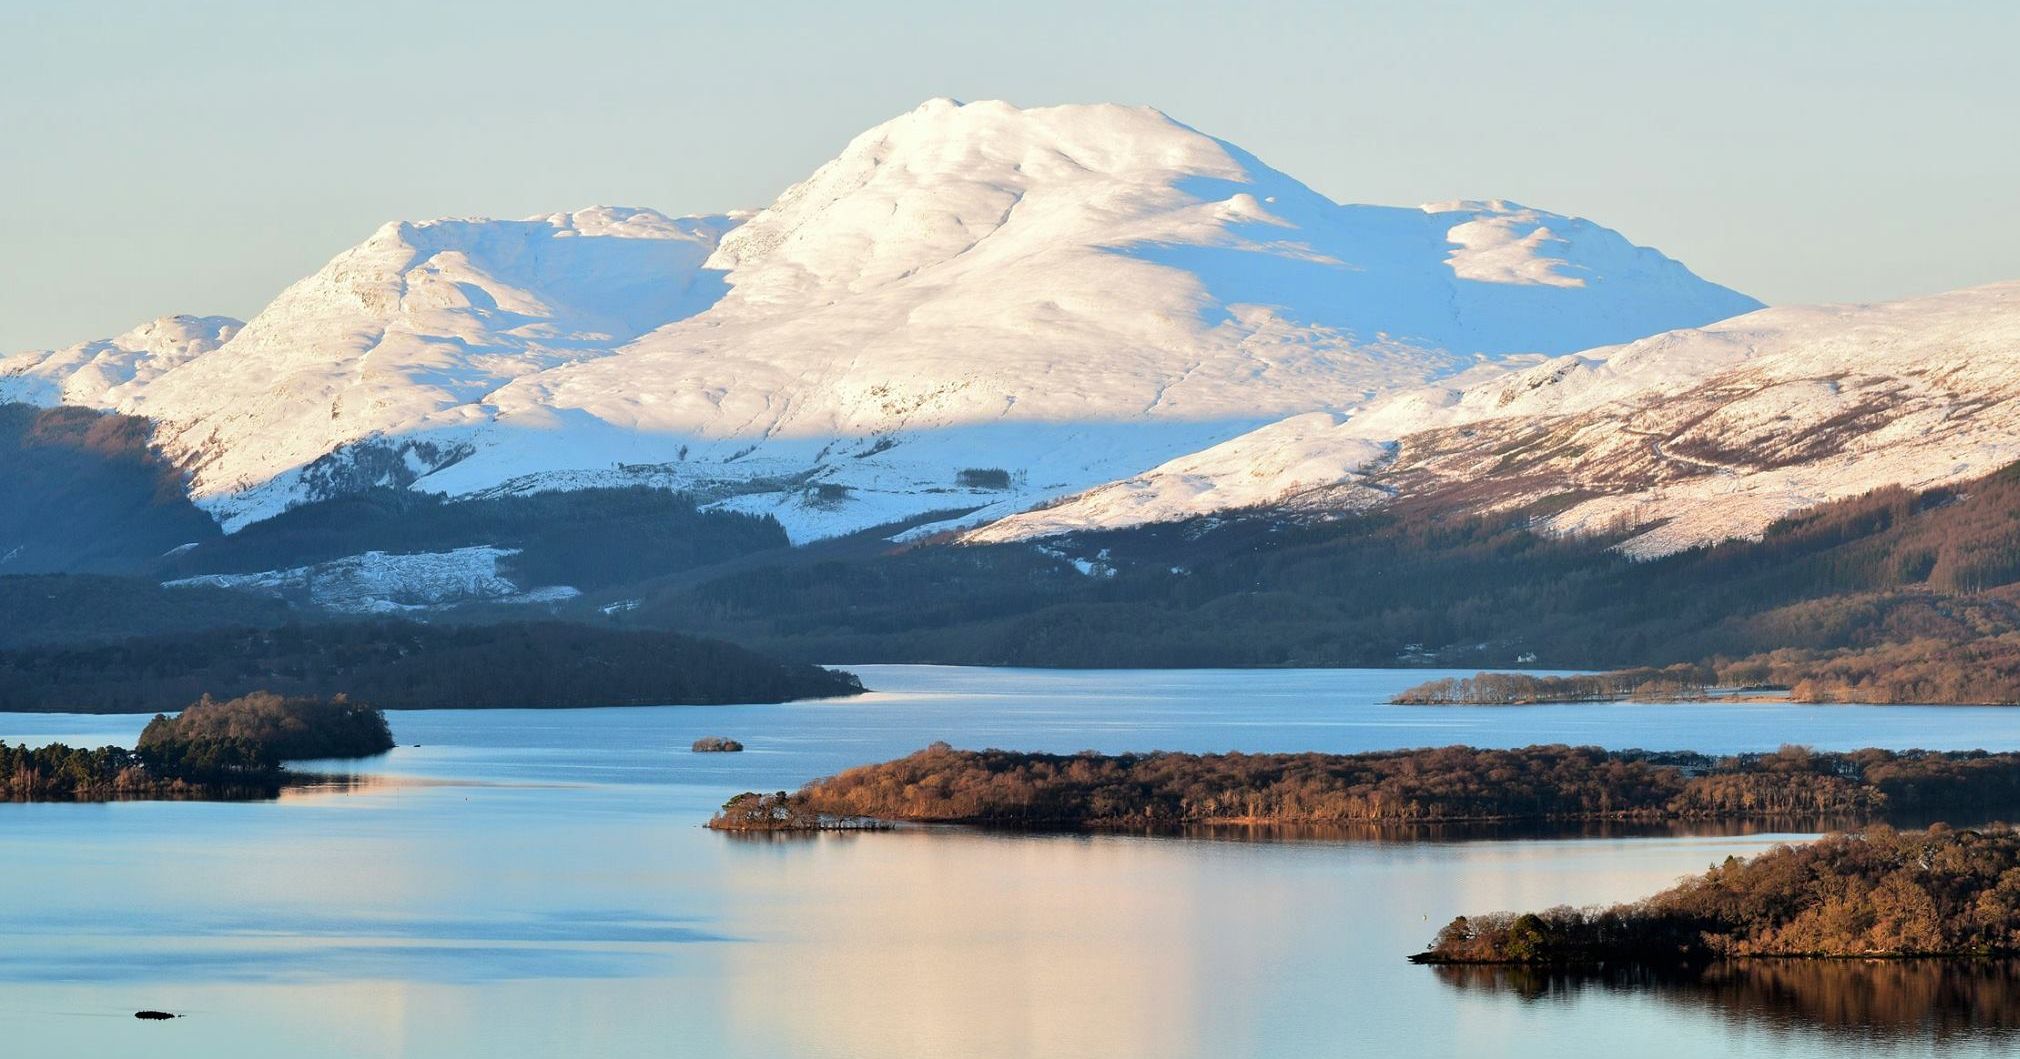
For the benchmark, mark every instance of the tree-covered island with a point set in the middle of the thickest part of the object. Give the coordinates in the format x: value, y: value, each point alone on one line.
x: 221, y: 750
x: 1454, y: 784
x: 1879, y: 893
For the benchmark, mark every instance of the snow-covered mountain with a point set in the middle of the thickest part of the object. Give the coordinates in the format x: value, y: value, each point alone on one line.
x: 1695, y: 435
x: 1046, y: 299
x: 104, y: 373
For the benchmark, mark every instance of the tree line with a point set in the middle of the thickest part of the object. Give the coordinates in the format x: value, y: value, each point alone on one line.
x: 208, y: 769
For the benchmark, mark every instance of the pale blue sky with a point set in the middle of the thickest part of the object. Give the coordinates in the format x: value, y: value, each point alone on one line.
x: 198, y: 156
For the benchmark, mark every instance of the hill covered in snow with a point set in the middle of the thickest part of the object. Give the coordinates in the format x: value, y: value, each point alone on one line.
x: 971, y: 306
x: 1692, y: 436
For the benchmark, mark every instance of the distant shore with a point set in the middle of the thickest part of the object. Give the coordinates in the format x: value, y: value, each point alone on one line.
x: 1674, y: 684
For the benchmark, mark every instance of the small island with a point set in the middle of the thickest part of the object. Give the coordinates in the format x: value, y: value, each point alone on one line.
x: 232, y: 750
x: 287, y: 729
x: 1456, y: 784
x: 716, y: 744
x: 1879, y: 893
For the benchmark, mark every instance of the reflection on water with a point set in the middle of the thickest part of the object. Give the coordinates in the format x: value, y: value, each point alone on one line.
x: 1522, y: 829
x: 1902, y: 1001
x: 538, y: 883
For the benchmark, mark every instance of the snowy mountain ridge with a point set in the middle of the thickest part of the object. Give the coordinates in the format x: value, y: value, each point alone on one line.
x: 1064, y: 295
x: 1695, y: 435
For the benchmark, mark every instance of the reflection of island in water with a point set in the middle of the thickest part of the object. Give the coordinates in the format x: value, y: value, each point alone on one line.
x: 1894, y: 1000
x: 1796, y: 827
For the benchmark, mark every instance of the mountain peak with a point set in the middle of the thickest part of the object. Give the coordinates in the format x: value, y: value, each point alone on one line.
x: 1064, y: 294
x: 927, y: 185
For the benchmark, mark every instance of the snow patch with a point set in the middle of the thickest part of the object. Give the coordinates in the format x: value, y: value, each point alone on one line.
x: 383, y: 583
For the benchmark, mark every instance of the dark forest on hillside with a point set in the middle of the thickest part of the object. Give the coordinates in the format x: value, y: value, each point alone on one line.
x: 1397, y: 586
x: 405, y: 665
x: 53, y: 609
x: 588, y: 538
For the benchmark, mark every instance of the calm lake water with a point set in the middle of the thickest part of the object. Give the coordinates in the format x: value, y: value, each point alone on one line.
x: 537, y: 883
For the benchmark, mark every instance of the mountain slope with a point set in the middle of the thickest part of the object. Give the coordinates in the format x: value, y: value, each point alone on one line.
x: 412, y: 329
x: 1692, y: 436
x: 82, y: 491
x: 1063, y: 295
x: 1402, y: 584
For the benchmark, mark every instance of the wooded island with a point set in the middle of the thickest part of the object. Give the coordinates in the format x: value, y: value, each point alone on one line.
x: 1877, y: 893
x: 1444, y: 785
x: 229, y: 751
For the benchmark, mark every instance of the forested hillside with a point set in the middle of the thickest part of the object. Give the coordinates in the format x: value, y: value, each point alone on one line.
x: 1399, y: 586
x: 406, y: 665
x: 91, y: 608
x: 87, y: 492
x: 588, y: 538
